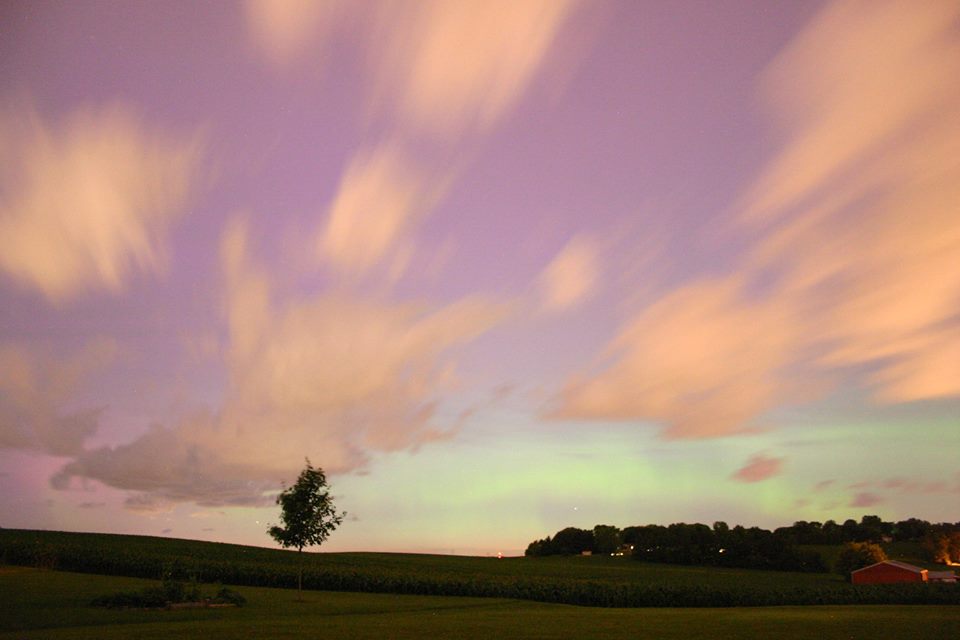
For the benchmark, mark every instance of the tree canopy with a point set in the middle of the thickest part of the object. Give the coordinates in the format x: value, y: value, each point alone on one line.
x: 307, y: 513
x: 857, y: 555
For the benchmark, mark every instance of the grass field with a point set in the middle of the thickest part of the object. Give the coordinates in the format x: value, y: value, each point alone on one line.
x: 112, y: 548
x: 598, y: 580
x: 51, y: 604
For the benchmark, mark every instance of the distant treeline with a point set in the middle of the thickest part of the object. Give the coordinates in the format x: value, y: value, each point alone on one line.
x: 752, y: 548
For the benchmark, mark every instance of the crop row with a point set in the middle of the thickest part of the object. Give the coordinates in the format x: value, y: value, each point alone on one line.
x: 61, y: 553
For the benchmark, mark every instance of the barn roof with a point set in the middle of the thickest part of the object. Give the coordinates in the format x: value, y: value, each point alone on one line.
x: 941, y: 575
x: 895, y: 563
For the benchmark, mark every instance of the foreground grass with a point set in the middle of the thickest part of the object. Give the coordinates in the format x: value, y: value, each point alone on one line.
x: 51, y: 604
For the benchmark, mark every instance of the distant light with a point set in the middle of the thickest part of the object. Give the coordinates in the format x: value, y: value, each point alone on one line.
x: 499, y: 555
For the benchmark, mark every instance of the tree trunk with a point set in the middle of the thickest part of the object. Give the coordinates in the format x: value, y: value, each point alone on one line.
x: 300, y: 574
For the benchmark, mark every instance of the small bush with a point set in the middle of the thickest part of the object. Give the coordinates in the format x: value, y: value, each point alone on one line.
x: 169, y: 592
x: 229, y: 596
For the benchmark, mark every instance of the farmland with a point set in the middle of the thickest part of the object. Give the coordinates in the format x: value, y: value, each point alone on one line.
x: 595, y: 581
x: 53, y: 604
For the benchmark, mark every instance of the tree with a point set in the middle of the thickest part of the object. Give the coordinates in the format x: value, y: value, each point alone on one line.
x: 606, y: 539
x: 943, y: 544
x: 540, y: 548
x: 857, y: 555
x: 572, y: 541
x: 307, y: 514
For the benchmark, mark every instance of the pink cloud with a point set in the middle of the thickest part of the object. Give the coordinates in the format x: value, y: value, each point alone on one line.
x: 823, y: 484
x: 758, y: 468
x: 865, y: 499
x: 917, y: 485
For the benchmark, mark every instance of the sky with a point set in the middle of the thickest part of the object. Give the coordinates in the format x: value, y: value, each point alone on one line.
x: 499, y: 267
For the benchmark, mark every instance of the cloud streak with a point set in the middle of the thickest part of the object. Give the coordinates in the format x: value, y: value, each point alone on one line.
x: 437, y: 67
x: 283, y: 30
x: 865, y: 499
x: 334, y: 377
x: 87, y: 201
x: 381, y: 198
x: 451, y: 67
x: 35, y: 389
x: 852, y: 275
x: 758, y: 468
x: 704, y: 360
x: 571, y: 276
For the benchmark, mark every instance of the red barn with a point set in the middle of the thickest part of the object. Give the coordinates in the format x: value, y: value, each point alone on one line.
x: 888, y: 572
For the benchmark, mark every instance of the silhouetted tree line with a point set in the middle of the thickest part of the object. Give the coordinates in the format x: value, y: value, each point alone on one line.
x: 753, y: 547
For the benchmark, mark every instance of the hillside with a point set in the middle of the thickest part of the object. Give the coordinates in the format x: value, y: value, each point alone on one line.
x: 596, y: 580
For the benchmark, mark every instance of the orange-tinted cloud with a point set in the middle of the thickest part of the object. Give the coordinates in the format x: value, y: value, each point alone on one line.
x: 704, y: 360
x: 88, y: 201
x: 435, y: 66
x: 381, y: 197
x: 854, y: 266
x: 334, y: 377
x: 451, y: 66
x: 283, y: 30
x: 571, y: 276
x: 866, y: 189
x: 451, y: 70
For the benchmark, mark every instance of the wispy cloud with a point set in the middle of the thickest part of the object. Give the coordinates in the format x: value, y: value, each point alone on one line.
x: 381, y: 197
x: 448, y: 67
x: 704, y: 360
x: 37, y: 386
x: 572, y: 276
x: 912, y: 485
x: 283, y: 30
x: 853, y: 267
x: 758, y: 468
x: 332, y: 377
x: 437, y: 76
x: 88, y: 200
x: 823, y: 485
x: 863, y: 197
x: 865, y: 499
x: 436, y: 67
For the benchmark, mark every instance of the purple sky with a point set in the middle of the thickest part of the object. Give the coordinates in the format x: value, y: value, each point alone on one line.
x: 498, y: 267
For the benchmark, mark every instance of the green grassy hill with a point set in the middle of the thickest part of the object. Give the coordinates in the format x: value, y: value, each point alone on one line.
x: 595, y: 580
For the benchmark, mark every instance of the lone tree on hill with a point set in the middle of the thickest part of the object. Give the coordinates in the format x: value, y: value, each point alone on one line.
x: 307, y: 514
